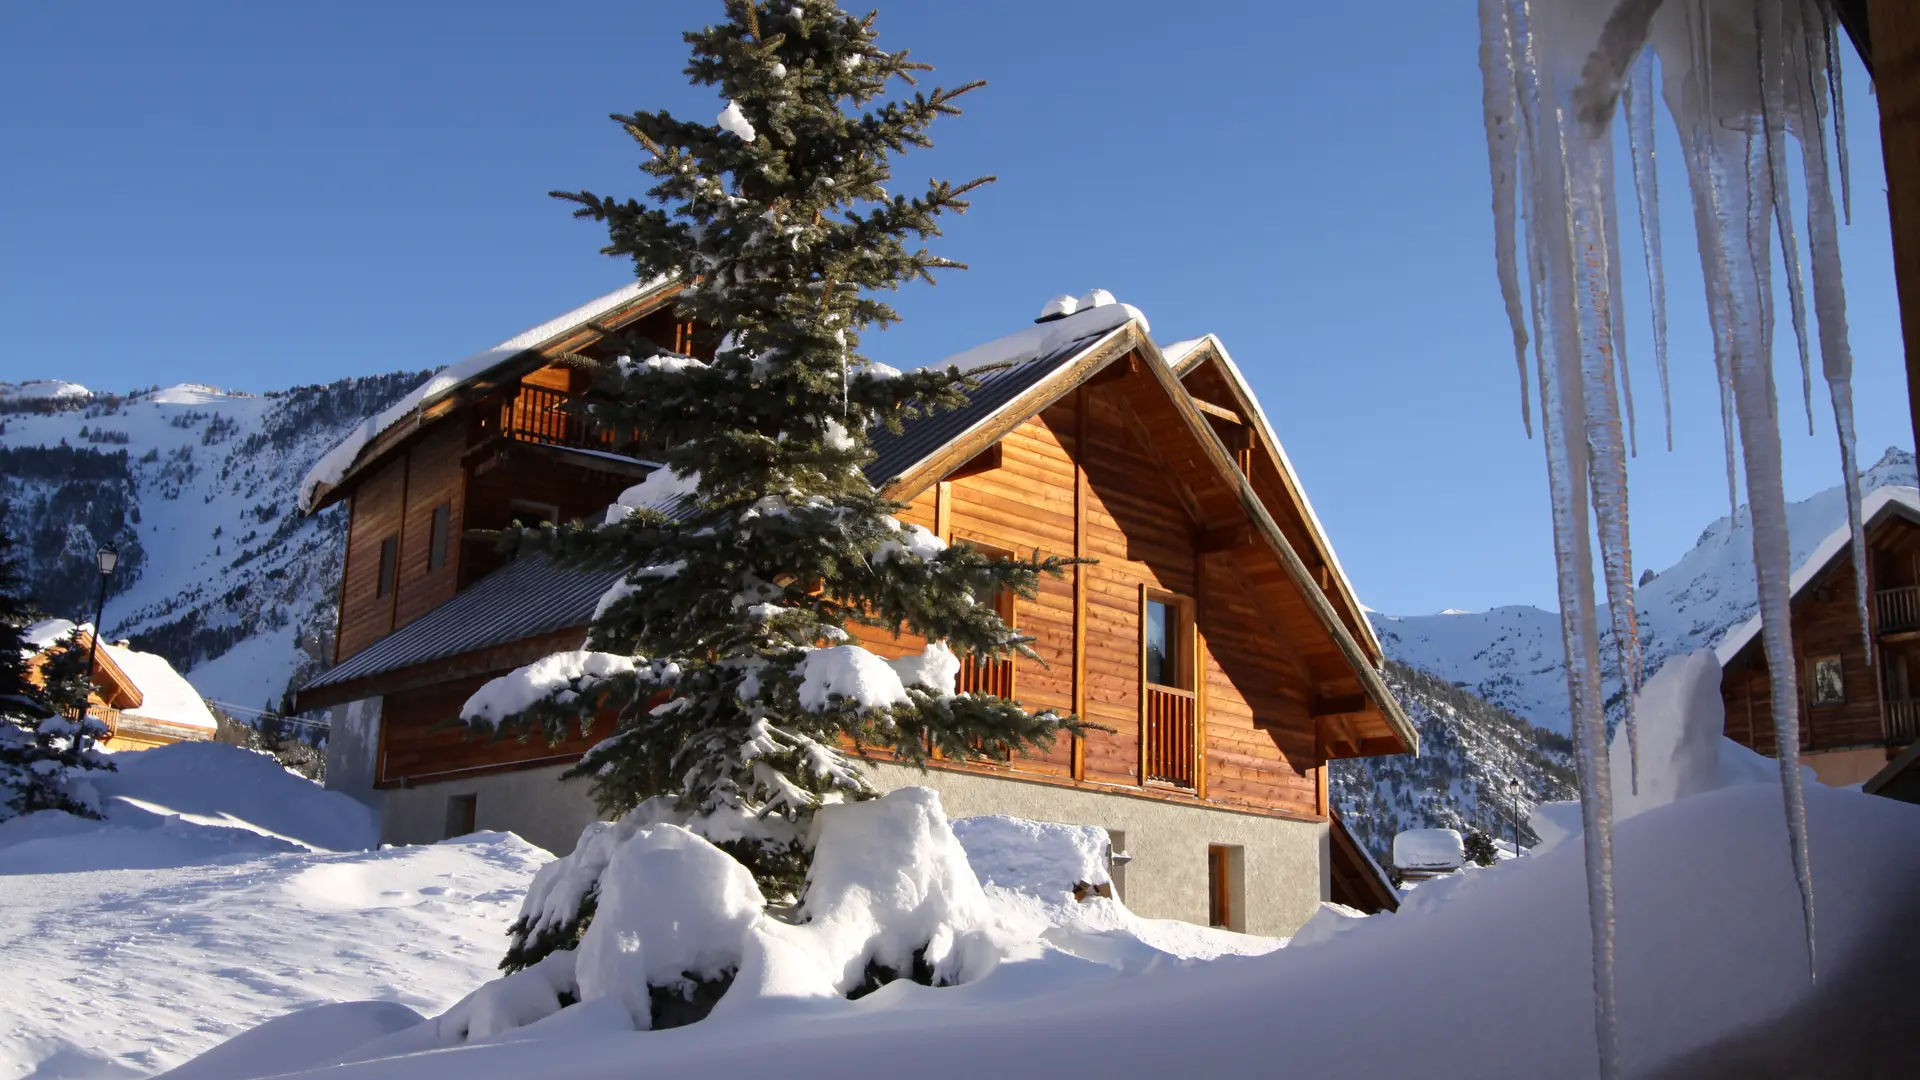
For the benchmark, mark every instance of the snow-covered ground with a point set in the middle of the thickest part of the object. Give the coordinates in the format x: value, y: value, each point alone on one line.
x: 208, y: 902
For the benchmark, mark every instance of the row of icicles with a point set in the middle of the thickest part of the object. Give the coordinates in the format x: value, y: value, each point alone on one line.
x: 1739, y: 79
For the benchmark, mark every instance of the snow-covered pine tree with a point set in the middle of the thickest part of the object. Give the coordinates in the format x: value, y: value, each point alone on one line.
x: 725, y: 655
x: 38, y: 749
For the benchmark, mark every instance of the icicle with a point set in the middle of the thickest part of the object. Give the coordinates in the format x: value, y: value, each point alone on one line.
x: 1832, y: 51
x: 1771, y: 41
x: 1829, y: 293
x: 1497, y: 108
x: 1617, y: 321
x: 1570, y: 341
x: 1646, y: 190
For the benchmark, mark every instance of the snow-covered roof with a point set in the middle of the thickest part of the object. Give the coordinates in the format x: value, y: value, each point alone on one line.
x: 47, y: 631
x: 1178, y: 356
x: 1873, y: 509
x: 336, y: 463
x: 165, y: 695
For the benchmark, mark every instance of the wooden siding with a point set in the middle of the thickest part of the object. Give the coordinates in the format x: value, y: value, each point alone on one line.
x: 1261, y: 753
x: 379, y: 505
x: 418, y: 739
x: 531, y: 474
x: 434, y: 479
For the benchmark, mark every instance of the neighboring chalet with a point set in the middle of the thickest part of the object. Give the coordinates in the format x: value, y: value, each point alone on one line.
x: 1093, y: 442
x: 141, y: 699
x: 1854, y: 715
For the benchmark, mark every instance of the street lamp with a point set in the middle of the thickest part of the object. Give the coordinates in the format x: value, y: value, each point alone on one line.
x: 1513, y: 792
x: 109, y: 557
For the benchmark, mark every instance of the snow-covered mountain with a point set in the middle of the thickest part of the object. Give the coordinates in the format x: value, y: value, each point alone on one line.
x: 1470, y: 750
x: 218, y: 572
x: 1511, y: 656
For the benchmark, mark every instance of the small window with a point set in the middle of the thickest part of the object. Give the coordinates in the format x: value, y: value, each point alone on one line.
x: 1829, y: 681
x: 462, y: 813
x: 1224, y: 888
x: 437, y: 537
x: 389, y: 563
x: 1117, y: 860
x: 1163, y: 643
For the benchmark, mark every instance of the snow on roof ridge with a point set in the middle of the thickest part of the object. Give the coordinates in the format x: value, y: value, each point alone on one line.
x: 1040, y: 339
x: 333, y: 466
x: 1836, y: 542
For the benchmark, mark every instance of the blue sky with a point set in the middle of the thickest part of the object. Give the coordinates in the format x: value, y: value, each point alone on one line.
x: 259, y: 195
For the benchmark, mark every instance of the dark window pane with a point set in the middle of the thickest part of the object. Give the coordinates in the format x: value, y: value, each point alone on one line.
x: 1162, y: 644
x: 389, y: 552
x: 437, y: 539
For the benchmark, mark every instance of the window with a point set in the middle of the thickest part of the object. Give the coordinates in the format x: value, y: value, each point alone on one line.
x: 1162, y: 642
x: 389, y: 563
x: 1829, y: 685
x: 462, y: 813
x: 1225, y: 888
x: 991, y: 676
x: 437, y: 536
x: 1169, y: 707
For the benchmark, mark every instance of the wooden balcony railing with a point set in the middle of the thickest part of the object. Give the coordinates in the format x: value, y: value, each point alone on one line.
x: 537, y: 414
x: 1170, y: 741
x: 988, y: 676
x: 1903, y: 721
x: 1896, y: 609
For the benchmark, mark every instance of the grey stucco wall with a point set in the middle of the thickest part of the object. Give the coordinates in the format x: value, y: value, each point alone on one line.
x: 1284, y: 863
x: 535, y: 803
x: 353, y: 743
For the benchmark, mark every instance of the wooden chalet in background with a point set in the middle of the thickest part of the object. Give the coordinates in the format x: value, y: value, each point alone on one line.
x: 1215, y: 634
x: 140, y: 698
x: 1854, y: 715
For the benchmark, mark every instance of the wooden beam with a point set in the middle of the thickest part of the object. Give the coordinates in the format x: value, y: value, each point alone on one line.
x: 1081, y: 496
x: 1352, y: 704
x: 943, y: 511
x: 1220, y: 412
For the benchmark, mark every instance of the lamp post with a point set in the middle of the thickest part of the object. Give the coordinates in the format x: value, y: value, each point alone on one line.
x: 1513, y: 791
x: 109, y: 557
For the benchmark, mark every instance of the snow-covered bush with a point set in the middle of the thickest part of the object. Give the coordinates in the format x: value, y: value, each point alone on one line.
x: 679, y: 927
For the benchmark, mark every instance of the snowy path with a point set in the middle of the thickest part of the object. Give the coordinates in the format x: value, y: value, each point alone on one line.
x: 126, y: 972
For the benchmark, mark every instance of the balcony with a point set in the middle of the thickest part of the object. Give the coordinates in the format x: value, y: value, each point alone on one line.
x: 1903, y: 721
x: 537, y: 414
x: 1170, y: 737
x: 1896, y: 610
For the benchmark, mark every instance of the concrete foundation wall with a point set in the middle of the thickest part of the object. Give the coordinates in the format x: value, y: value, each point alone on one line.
x: 1843, y: 768
x: 1283, y: 865
x: 535, y: 803
x: 1279, y: 868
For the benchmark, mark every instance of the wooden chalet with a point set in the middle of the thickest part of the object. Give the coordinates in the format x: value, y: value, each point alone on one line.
x: 139, y: 697
x: 1215, y: 634
x: 1854, y: 715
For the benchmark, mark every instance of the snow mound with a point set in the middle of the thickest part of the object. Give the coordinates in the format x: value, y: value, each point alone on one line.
x: 1036, y: 857
x: 187, y: 803
x: 299, y: 1040
x: 672, y: 909
x: 1329, y: 922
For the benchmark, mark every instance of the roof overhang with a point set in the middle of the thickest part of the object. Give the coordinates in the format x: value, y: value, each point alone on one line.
x: 516, y: 358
